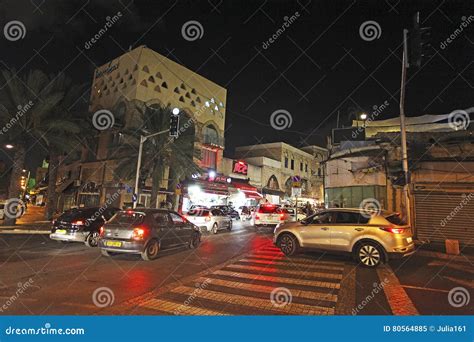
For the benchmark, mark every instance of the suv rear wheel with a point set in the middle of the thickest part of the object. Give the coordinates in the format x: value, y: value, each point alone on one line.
x: 288, y: 244
x: 369, y: 254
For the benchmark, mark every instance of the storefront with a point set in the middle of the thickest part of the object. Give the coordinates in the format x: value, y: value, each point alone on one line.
x: 243, y: 194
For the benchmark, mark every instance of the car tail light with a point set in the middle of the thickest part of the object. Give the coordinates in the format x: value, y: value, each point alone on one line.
x: 138, y: 233
x: 392, y: 229
x: 257, y: 217
x: 282, y: 217
x: 101, y: 231
x: 78, y: 222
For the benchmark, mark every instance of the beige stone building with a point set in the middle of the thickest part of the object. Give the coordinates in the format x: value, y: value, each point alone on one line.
x: 145, y: 77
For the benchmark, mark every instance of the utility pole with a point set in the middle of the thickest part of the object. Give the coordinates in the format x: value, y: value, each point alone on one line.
x: 403, y: 131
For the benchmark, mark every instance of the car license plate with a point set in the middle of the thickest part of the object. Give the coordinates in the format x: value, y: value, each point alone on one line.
x: 409, y: 239
x: 60, y: 231
x: 113, y: 244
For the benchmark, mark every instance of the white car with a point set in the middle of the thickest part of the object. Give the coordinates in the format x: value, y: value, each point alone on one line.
x: 269, y: 215
x: 209, y: 220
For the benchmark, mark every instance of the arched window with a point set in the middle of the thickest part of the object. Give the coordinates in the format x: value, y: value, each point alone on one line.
x: 210, y: 135
x: 273, y: 183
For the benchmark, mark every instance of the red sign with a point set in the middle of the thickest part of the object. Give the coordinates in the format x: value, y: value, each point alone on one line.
x: 240, y: 167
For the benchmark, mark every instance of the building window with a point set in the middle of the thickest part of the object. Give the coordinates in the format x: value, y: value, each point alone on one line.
x: 301, y: 166
x: 292, y: 164
x: 286, y: 162
x: 209, y: 158
x: 306, y: 168
x: 210, y: 135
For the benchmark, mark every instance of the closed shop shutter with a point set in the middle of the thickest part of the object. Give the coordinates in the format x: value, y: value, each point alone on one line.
x: 441, y: 215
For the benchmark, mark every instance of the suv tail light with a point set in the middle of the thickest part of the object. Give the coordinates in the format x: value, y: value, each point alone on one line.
x: 138, y: 233
x: 393, y: 229
x: 78, y: 222
x: 282, y: 217
x: 101, y: 231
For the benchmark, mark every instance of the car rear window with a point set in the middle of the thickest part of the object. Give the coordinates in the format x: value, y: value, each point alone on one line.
x: 268, y: 209
x: 128, y: 217
x: 71, y: 215
x: 198, y: 212
x: 395, y: 219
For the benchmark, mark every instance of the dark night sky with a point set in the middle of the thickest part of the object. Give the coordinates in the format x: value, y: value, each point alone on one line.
x: 319, y: 66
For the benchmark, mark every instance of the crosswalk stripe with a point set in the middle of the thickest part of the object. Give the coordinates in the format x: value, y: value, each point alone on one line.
x: 283, y: 272
x: 292, y: 259
x: 284, y: 263
x: 268, y: 289
x: 265, y: 304
x: 171, y: 307
x: 314, y: 283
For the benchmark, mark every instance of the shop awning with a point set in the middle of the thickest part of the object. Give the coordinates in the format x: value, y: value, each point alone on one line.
x: 249, y: 190
x: 211, y: 187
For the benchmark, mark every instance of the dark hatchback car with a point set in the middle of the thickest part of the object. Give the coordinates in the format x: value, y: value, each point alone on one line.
x: 81, y: 225
x: 147, y: 232
x: 228, y: 210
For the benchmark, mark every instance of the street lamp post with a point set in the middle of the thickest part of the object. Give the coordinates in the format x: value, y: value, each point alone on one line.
x: 143, y: 138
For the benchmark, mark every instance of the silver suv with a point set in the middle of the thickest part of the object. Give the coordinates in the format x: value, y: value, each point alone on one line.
x: 371, y: 238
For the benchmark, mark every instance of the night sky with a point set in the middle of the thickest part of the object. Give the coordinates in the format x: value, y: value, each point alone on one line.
x: 318, y: 67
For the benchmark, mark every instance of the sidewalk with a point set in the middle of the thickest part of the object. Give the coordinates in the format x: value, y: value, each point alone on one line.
x: 32, y: 222
x: 438, y: 250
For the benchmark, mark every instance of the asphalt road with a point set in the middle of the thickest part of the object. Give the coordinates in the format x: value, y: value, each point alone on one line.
x: 40, y: 276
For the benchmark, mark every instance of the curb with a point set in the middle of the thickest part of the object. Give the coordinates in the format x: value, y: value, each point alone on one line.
x: 24, y: 231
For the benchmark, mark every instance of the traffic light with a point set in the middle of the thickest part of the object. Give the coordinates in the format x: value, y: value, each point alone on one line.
x: 174, y: 125
x: 419, y: 42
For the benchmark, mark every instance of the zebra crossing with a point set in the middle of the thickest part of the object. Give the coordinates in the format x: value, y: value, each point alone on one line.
x: 263, y: 282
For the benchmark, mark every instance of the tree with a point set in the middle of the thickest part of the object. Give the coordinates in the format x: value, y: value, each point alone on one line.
x: 24, y: 101
x: 159, y: 152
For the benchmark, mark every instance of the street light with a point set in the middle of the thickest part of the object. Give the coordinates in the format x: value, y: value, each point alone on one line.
x: 175, y: 111
x: 363, y: 116
x: 9, y: 146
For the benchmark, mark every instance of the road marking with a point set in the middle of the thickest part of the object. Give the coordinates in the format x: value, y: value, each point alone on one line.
x: 463, y: 268
x: 294, y: 260
x: 323, y: 284
x: 461, y: 281
x: 424, y: 288
x: 397, y: 298
x: 268, y: 289
x: 289, y: 272
x: 264, y: 304
x: 285, y: 263
x: 178, y: 309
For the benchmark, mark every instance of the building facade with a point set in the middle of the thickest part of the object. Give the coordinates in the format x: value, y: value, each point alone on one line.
x: 143, y: 77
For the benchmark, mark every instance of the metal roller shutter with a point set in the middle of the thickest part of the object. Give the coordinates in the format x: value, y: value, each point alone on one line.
x: 444, y: 215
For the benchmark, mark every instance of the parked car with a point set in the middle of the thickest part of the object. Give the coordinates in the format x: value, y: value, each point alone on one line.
x: 228, y: 210
x: 292, y: 212
x: 371, y: 239
x: 245, y: 212
x: 269, y: 215
x: 209, y: 220
x: 81, y: 225
x: 147, y: 232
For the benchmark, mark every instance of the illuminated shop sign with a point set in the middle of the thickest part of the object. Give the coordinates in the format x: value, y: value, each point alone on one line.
x: 240, y: 167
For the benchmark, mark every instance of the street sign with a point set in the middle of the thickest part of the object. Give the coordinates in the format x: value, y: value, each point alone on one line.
x: 134, y: 197
x: 296, y: 192
x: 296, y: 182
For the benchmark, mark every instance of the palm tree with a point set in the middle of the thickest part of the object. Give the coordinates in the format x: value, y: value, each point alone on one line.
x: 46, y: 120
x: 159, y: 152
x: 24, y: 101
